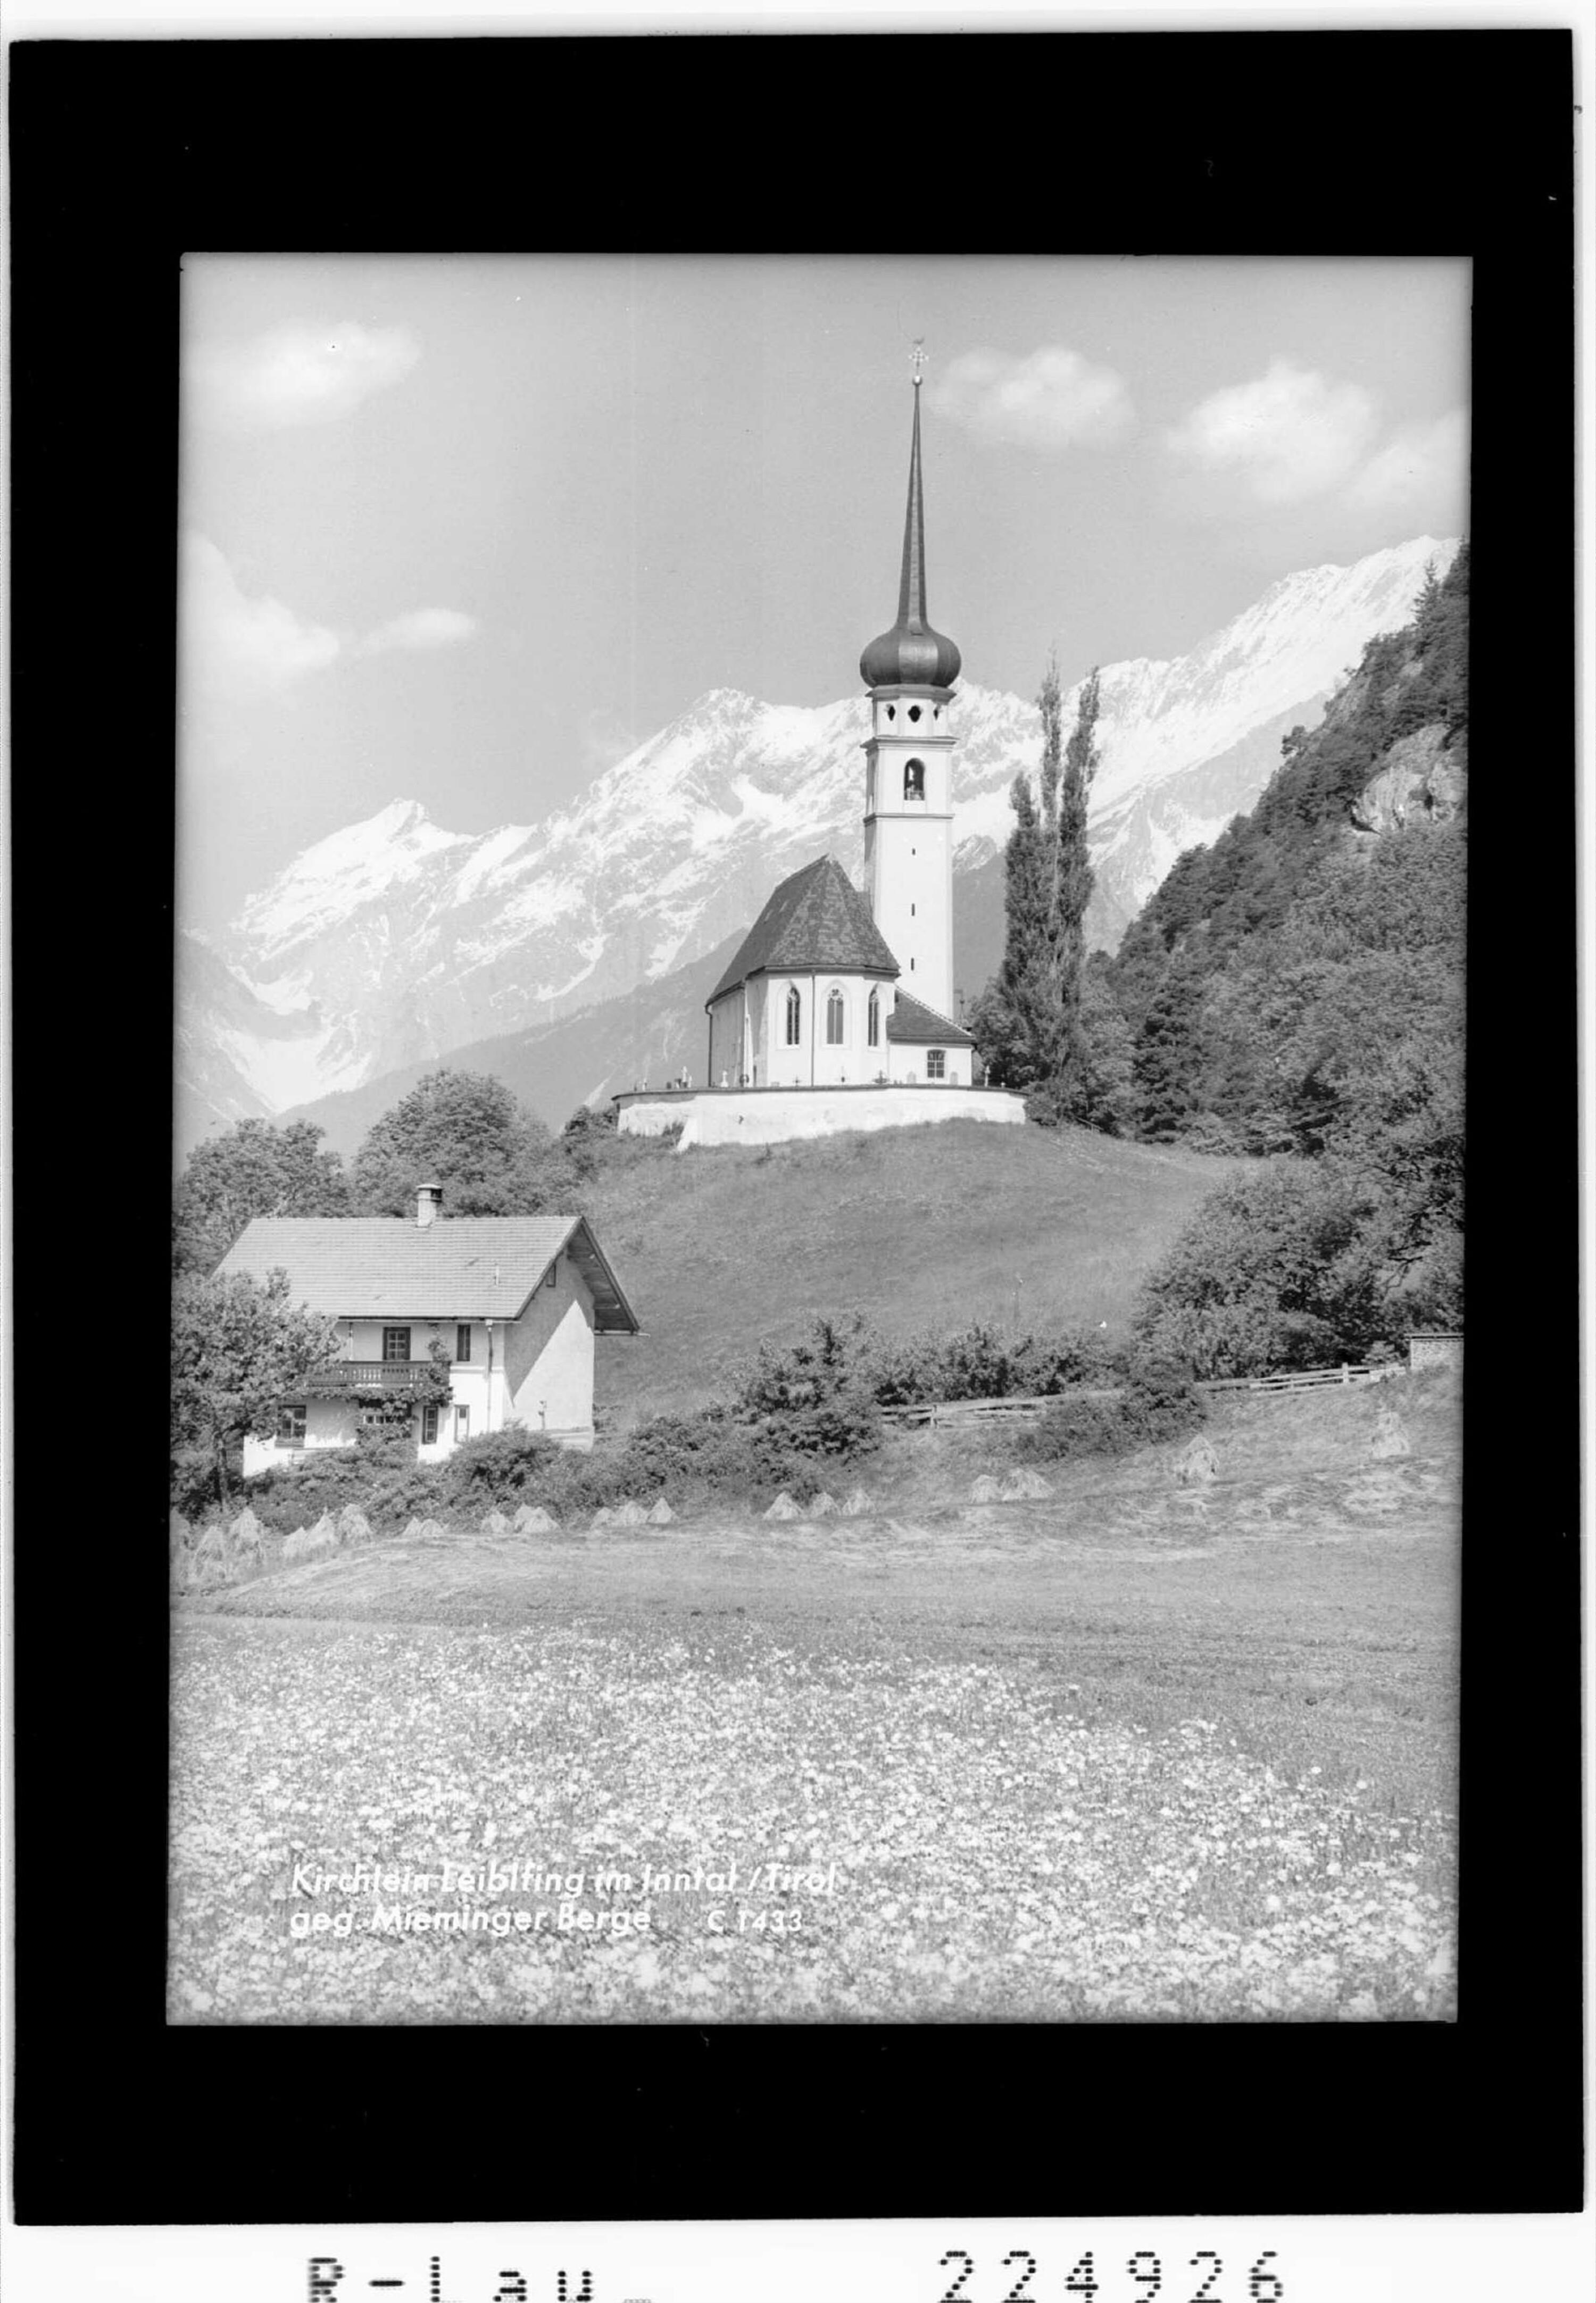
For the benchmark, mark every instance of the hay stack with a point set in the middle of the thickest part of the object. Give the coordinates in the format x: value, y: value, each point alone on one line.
x: 212, y: 1547
x: 855, y: 1503
x: 432, y: 1527
x: 985, y: 1489
x: 178, y: 1530
x: 323, y: 1535
x: 661, y: 1514
x: 414, y: 1527
x: 821, y: 1506
x: 1197, y: 1465
x: 533, y: 1520
x: 495, y: 1524
x: 631, y: 1514
x: 354, y: 1526
x: 298, y: 1544
x: 1023, y: 1488
x: 783, y: 1508
x: 602, y: 1517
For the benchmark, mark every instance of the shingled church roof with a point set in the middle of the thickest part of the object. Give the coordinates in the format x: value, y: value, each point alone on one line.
x: 914, y: 1025
x: 815, y: 923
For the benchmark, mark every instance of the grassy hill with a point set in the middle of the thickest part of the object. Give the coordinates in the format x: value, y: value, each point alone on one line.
x: 916, y: 1228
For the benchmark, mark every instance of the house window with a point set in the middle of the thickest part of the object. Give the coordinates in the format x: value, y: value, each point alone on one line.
x: 429, y: 1427
x: 462, y: 1341
x: 795, y: 1011
x: 291, y: 1427
x: 914, y: 779
x: 874, y: 1020
x: 462, y: 1423
x: 396, y: 1343
x: 551, y: 1278
x: 833, y: 1019
x: 936, y: 1063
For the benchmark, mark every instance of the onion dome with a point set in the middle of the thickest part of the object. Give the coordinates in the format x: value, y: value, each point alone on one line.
x: 911, y: 655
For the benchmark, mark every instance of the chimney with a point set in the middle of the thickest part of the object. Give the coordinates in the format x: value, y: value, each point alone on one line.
x: 429, y: 1199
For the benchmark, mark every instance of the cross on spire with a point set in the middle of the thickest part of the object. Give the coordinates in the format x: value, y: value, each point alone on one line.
x: 917, y: 359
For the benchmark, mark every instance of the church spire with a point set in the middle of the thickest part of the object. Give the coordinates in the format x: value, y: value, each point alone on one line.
x: 911, y: 588
x: 912, y: 654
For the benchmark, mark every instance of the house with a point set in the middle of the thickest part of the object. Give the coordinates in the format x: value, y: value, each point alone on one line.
x: 513, y: 1304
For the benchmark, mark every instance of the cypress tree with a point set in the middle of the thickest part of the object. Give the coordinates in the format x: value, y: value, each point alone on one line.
x: 1072, y: 886
x: 1049, y: 702
x: 1023, y: 985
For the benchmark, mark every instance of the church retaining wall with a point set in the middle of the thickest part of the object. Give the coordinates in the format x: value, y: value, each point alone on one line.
x: 775, y: 1115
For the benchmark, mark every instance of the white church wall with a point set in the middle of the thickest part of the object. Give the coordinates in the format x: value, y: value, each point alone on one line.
x: 911, y: 1065
x: 761, y: 1054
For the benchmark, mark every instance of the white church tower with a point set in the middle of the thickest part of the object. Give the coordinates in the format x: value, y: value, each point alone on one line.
x: 909, y: 797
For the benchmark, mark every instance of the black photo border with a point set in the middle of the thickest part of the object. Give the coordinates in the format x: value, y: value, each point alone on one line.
x: 124, y: 156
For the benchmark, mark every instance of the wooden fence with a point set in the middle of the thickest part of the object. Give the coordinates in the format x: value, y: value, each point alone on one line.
x: 1017, y: 1408
x: 1302, y: 1379
x: 937, y: 1414
x: 944, y: 1414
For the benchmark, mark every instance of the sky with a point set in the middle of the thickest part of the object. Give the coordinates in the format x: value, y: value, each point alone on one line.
x: 464, y: 530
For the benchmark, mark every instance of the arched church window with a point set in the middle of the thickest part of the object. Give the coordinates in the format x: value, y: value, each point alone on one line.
x: 834, y: 1018
x: 795, y: 1010
x: 914, y: 779
x: 874, y: 1020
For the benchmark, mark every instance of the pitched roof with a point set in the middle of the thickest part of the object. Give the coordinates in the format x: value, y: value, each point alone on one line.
x: 914, y: 1025
x: 472, y: 1266
x: 816, y: 921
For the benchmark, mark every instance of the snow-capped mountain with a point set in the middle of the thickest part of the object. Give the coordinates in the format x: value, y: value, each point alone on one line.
x: 394, y: 941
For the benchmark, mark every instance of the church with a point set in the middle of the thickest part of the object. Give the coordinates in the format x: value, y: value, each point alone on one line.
x: 837, y: 1011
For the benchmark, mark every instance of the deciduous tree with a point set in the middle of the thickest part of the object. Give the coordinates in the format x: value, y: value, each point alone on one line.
x: 238, y: 1350
x: 255, y: 1169
x: 466, y: 1131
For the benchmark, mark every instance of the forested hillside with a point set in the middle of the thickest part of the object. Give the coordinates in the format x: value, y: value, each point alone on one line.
x: 1298, y: 989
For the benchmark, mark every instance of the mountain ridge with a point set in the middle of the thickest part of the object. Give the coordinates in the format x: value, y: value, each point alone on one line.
x: 394, y: 940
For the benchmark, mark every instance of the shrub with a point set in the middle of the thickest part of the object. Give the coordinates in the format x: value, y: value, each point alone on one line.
x: 979, y: 1362
x: 288, y: 1496
x: 1157, y: 1401
x: 816, y: 1398
x: 1278, y: 1268
x: 411, y: 1491
x: 496, y: 1464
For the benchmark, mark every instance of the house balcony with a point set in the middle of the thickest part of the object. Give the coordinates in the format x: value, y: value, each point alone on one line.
x: 359, y: 1379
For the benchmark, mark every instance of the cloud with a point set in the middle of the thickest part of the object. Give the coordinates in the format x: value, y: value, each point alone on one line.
x: 296, y: 374
x: 606, y: 737
x: 422, y: 627
x: 1420, y: 468
x: 239, y: 647
x: 1288, y: 435
x: 233, y: 646
x: 1050, y: 398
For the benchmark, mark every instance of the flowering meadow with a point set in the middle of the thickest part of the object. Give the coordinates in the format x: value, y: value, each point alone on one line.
x: 995, y: 1769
